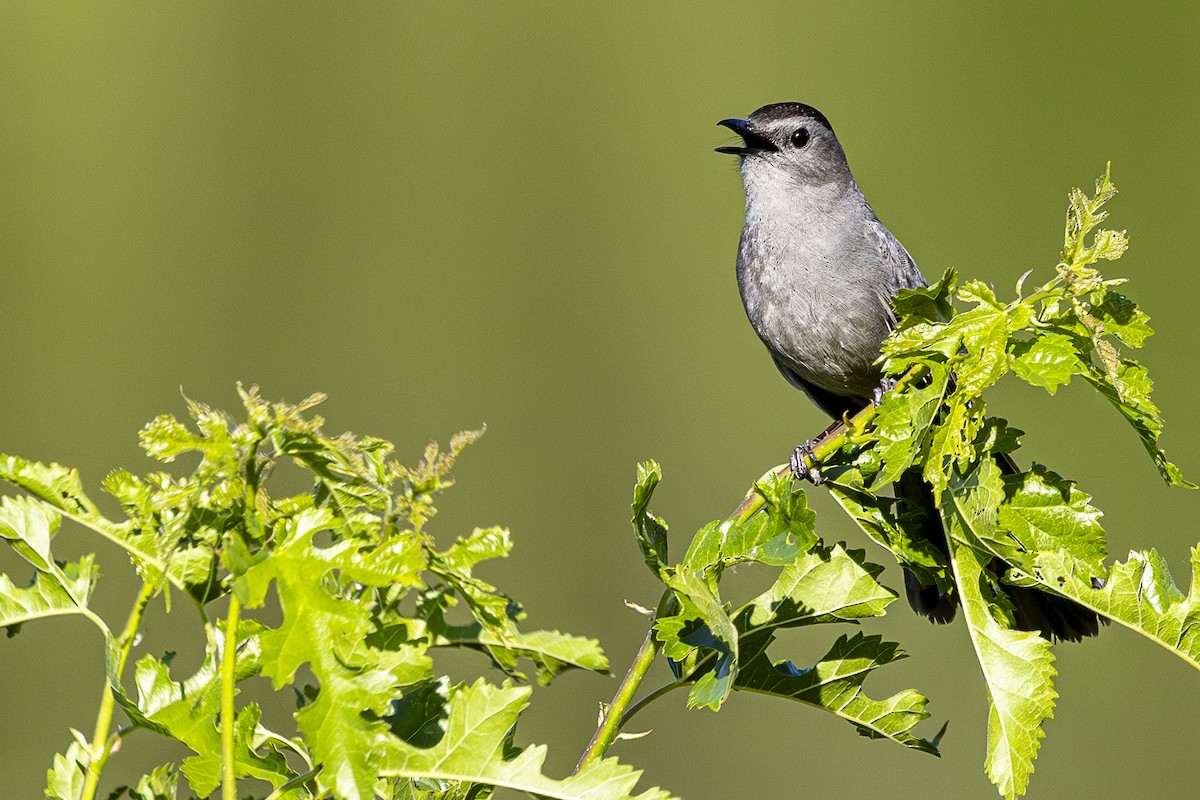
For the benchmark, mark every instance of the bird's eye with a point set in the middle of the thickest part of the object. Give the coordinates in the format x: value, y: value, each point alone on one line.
x: 800, y: 137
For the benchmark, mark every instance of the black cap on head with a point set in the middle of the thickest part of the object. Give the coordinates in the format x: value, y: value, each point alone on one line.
x: 782, y: 111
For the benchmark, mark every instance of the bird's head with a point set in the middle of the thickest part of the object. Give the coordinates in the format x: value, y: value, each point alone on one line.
x: 787, y: 141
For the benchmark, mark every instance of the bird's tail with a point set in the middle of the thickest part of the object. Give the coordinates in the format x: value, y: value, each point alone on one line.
x: 1052, y: 616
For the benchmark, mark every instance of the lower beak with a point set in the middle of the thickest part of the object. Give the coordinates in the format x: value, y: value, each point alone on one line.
x: 753, y: 143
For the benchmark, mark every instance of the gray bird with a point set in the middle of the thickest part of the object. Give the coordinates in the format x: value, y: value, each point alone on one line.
x: 817, y: 271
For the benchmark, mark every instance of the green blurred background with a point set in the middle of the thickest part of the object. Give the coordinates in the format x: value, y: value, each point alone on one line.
x: 451, y: 214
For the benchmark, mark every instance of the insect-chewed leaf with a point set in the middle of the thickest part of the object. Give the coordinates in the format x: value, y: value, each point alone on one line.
x: 1138, y: 593
x: 66, y: 590
x: 56, y: 485
x: 476, y: 749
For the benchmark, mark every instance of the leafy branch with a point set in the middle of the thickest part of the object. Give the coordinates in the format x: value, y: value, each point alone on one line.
x: 1038, y: 525
x: 364, y: 590
x: 1025, y: 529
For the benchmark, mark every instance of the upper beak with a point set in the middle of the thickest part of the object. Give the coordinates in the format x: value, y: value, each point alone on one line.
x: 754, y: 143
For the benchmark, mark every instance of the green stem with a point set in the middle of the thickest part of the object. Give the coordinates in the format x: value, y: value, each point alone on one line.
x: 294, y: 783
x: 228, y: 661
x: 101, y: 745
x: 648, y: 699
x: 610, y: 724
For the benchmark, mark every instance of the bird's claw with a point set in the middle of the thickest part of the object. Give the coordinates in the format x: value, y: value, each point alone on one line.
x: 804, y: 464
x: 885, y: 386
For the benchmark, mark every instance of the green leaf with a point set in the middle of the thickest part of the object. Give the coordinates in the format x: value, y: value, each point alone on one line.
x: 29, y: 525
x: 928, y: 303
x: 478, y: 722
x: 1059, y: 547
x: 60, y: 488
x: 651, y: 531
x: 703, y: 623
x: 394, y: 563
x: 66, y: 591
x: 982, y: 333
x: 1042, y: 512
x: 54, y: 484
x: 551, y: 652
x: 876, y: 516
x: 1122, y: 318
x: 1139, y: 593
x: 1017, y: 665
x: 823, y: 585
x: 482, y: 544
x: 65, y: 779
x: 158, y: 785
x: 774, y: 538
x: 835, y: 684
x: 323, y: 629
x: 1048, y: 361
x: 187, y: 711
x: 902, y: 421
x: 164, y: 438
x: 1129, y: 390
x: 1083, y: 215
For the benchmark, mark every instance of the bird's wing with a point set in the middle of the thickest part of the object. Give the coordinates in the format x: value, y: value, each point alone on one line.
x: 904, y: 270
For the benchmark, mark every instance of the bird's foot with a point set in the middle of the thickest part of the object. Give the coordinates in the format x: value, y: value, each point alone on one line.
x: 804, y: 464
x: 885, y: 386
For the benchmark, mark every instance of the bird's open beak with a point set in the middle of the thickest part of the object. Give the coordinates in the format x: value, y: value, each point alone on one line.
x: 754, y: 144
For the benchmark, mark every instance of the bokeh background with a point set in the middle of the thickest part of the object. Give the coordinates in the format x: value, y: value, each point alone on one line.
x: 451, y: 214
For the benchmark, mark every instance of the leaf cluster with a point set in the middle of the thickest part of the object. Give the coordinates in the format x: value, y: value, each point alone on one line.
x: 363, y: 597
x: 1007, y: 527
x: 716, y: 648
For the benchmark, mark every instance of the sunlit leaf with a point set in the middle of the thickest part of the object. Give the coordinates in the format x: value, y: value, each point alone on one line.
x: 478, y: 720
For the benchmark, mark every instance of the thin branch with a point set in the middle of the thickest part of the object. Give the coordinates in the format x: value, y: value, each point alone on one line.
x: 101, y: 745
x: 610, y: 723
x: 228, y: 662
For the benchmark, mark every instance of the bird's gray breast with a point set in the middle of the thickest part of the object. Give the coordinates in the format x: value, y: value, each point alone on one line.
x: 817, y: 295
